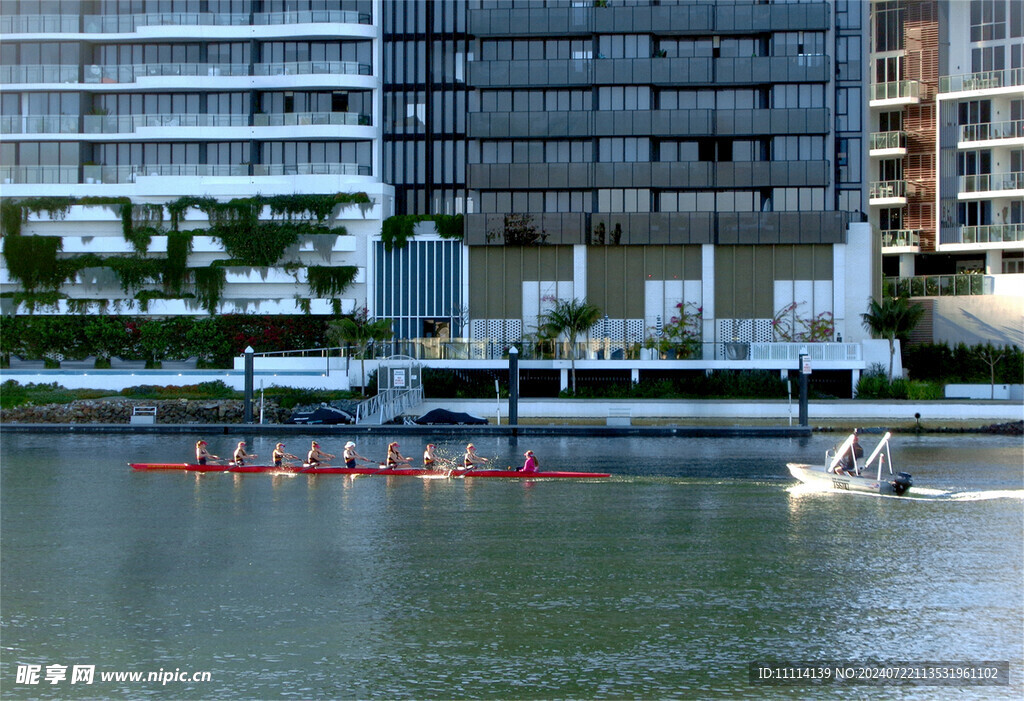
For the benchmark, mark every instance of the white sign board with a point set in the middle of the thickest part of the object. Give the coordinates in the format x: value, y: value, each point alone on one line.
x: 398, y: 378
x: 805, y: 366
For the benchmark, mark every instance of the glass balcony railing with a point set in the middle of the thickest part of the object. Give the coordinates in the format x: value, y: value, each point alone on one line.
x: 127, y: 124
x: 984, y: 80
x: 884, y: 189
x: 992, y: 182
x: 992, y: 233
x: 129, y: 73
x: 39, y: 124
x: 313, y: 16
x: 888, y: 140
x: 311, y: 169
x: 896, y: 90
x: 901, y: 238
x: 38, y: 24
x: 938, y: 285
x: 65, y: 73
x: 129, y: 173
x: 292, y: 119
x: 42, y: 175
x: 992, y: 130
x: 313, y: 67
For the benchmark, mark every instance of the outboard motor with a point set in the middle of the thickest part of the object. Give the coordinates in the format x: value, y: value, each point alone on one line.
x: 902, y: 483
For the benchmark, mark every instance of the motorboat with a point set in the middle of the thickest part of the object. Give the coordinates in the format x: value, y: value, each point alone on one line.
x: 842, y: 471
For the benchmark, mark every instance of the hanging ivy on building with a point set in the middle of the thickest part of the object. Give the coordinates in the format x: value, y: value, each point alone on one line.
x: 328, y: 282
x: 133, y: 272
x: 179, y: 246
x: 32, y: 260
x: 398, y: 229
x: 209, y: 284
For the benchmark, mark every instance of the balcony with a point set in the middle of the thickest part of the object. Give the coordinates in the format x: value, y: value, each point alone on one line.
x: 129, y: 73
x: 61, y: 73
x: 38, y: 175
x: 888, y: 143
x: 110, y: 175
x: 985, y: 80
x: 313, y: 17
x: 127, y: 124
x: 887, y: 191
x: 311, y: 169
x: 991, y: 131
x: 313, y: 67
x: 964, y: 284
x: 39, y: 124
x: 39, y: 24
x: 898, y: 92
x: 991, y: 182
x: 992, y: 233
x: 292, y: 119
x: 901, y: 238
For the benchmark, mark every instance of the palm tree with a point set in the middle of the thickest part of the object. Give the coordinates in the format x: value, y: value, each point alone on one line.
x: 892, y: 318
x: 572, y: 318
x: 359, y: 330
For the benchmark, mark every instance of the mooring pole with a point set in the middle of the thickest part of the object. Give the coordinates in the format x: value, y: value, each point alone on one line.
x: 805, y: 376
x: 513, y: 388
x: 247, y: 418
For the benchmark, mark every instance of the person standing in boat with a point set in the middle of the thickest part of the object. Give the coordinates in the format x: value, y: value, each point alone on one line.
x: 280, y: 455
x: 350, y: 455
x: 531, y: 463
x: 396, y: 459
x: 471, y: 459
x: 316, y: 456
x: 202, y: 454
x: 240, y: 455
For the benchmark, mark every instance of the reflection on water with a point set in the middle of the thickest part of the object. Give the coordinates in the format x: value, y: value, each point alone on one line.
x: 698, y: 557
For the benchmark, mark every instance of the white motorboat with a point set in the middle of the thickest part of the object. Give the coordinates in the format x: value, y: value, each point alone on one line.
x: 842, y: 471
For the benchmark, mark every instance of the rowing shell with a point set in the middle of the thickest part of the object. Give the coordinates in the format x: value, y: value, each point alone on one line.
x: 406, y: 471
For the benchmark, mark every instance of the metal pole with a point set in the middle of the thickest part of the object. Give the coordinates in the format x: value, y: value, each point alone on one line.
x: 249, y: 364
x: 804, y: 378
x: 513, y: 387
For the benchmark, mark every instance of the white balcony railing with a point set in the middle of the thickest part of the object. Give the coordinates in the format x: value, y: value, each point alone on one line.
x: 293, y: 119
x: 888, y: 140
x: 310, y: 169
x: 122, y: 124
x: 896, y: 90
x: 984, y: 80
x: 38, y: 175
x: 313, y: 67
x: 43, y: 73
x: 992, y: 130
x: 39, y: 124
x: 901, y: 238
x: 992, y: 233
x: 992, y: 182
x: 887, y: 189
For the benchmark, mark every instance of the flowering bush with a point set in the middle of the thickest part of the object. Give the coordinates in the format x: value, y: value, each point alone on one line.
x: 682, y: 333
x: 788, y: 326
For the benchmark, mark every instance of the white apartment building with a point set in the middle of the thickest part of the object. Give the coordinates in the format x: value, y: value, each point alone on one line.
x: 153, y: 101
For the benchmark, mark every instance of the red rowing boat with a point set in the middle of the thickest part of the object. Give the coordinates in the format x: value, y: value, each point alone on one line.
x: 327, y: 470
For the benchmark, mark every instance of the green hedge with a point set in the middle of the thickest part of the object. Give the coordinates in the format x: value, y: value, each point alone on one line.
x: 963, y: 363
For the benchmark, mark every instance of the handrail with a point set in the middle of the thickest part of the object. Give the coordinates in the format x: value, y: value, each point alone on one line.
x: 387, y: 404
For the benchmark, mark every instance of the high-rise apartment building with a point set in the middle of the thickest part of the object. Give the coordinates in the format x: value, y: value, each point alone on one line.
x: 947, y: 138
x: 153, y: 102
x: 653, y: 157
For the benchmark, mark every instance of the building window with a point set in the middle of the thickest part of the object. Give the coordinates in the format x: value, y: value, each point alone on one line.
x: 890, y: 121
x: 888, y: 25
x: 1013, y: 262
x: 988, y: 19
x: 988, y: 58
x: 890, y: 218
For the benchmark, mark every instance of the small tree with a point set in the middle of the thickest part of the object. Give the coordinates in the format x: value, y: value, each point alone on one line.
x: 991, y: 357
x: 571, y: 318
x: 890, y: 319
x: 360, y: 331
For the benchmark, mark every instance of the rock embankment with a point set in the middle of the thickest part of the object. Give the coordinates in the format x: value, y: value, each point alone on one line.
x: 119, y: 411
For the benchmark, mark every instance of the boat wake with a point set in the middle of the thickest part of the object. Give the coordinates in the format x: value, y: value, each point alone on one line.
x: 918, y: 493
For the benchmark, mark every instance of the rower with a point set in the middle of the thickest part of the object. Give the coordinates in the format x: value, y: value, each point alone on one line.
x: 350, y: 455
x: 315, y: 455
x: 241, y: 455
x: 202, y: 454
x: 531, y: 463
x: 429, y: 459
x: 471, y: 459
x: 280, y: 455
x: 396, y: 459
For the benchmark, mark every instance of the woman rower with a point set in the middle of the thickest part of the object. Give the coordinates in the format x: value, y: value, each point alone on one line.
x: 280, y: 455
x: 350, y: 455
x: 396, y: 459
x: 202, y: 454
x: 241, y: 455
x: 316, y: 456
x: 471, y: 459
x: 429, y: 459
x: 531, y: 463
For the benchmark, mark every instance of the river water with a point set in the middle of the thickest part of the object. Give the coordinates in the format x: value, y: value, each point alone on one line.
x: 667, y: 581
